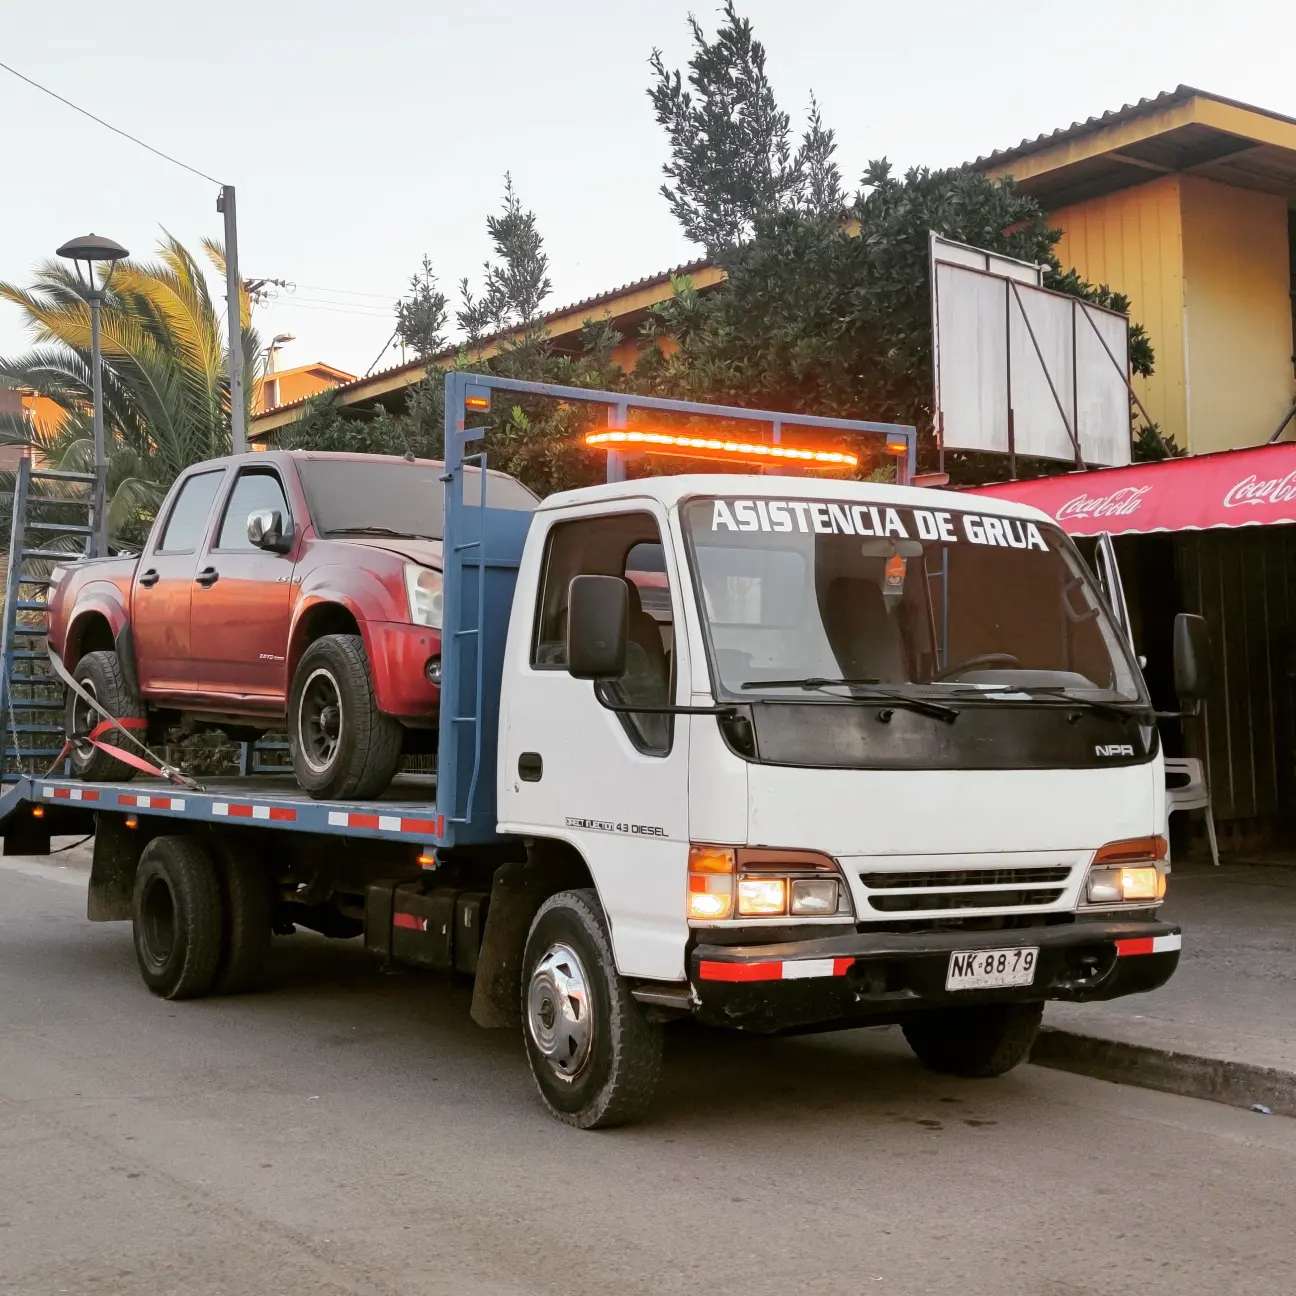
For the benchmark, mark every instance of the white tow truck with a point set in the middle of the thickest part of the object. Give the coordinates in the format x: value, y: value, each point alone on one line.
x: 777, y: 752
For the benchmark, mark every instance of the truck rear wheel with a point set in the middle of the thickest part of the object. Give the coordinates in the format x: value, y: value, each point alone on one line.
x: 176, y: 917
x: 977, y: 1041
x: 594, y: 1055
x: 341, y: 744
x: 248, y: 902
x: 100, y: 674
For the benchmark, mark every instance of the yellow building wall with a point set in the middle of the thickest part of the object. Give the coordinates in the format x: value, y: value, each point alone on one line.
x: 1238, y: 309
x: 1133, y: 242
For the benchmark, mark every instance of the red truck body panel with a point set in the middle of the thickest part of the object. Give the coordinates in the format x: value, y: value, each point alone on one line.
x: 220, y: 631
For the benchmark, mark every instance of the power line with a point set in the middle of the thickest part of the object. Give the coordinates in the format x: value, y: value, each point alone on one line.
x: 347, y: 292
x: 109, y: 126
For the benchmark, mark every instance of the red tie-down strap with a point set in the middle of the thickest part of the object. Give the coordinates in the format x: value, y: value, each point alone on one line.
x: 109, y: 723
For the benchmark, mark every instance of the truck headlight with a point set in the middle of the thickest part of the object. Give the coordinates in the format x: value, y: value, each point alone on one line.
x: 749, y: 882
x: 1128, y: 872
x: 423, y: 588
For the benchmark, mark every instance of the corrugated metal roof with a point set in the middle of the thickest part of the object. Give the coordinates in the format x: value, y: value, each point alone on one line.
x: 586, y: 303
x: 1179, y: 94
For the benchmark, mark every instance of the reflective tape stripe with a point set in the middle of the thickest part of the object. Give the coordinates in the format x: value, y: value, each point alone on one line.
x: 410, y: 921
x: 387, y: 823
x: 1149, y: 945
x: 150, y: 802
x: 783, y: 970
x: 69, y: 794
x: 243, y: 810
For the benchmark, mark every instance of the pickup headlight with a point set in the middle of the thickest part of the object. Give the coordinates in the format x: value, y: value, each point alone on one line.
x: 423, y: 588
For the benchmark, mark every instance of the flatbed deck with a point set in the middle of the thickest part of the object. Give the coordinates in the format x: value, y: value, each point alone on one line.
x: 407, y: 811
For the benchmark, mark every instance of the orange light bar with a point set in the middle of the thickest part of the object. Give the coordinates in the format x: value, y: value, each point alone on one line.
x: 896, y: 446
x: 132, y: 821
x: 38, y: 812
x: 477, y: 402
x: 713, y: 448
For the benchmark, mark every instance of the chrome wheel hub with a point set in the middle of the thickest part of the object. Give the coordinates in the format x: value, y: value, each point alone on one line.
x: 560, y: 1012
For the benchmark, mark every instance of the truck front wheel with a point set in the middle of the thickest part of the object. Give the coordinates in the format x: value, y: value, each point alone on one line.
x: 341, y: 744
x: 595, y: 1056
x: 977, y: 1041
x: 100, y: 675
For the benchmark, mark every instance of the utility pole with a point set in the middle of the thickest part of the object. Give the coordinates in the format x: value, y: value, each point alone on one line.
x: 238, y: 403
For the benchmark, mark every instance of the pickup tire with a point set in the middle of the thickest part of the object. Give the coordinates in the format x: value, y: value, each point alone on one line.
x: 341, y: 744
x: 100, y: 674
x: 594, y: 1054
x: 176, y: 917
x: 985, y: 1040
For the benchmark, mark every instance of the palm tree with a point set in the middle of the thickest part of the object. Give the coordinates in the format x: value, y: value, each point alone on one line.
x: 166, y: 383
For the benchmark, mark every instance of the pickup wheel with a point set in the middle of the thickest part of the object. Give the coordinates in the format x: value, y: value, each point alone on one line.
x: 176, y: 915
x: 341, y: 744
x: 100, y: 674
x: 980, y: 1041
x: 594, y: 1054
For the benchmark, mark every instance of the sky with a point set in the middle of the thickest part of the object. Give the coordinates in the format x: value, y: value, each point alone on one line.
x: 362, y: 136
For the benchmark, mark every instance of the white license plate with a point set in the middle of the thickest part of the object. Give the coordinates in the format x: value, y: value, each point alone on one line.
x: 991, y: 969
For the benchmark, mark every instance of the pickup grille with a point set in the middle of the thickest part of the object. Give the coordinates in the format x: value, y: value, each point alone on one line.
x: 945, y: 889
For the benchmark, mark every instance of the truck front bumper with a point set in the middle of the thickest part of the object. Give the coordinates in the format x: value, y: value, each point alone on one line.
x: 868, y: 977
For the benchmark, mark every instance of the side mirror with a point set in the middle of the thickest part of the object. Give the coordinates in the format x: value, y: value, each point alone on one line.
x: 598, y: 617
x: 1192, y: 658
x: 265, y: 529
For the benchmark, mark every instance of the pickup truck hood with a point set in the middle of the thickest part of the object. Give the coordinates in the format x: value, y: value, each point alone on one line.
x: 425, y: 552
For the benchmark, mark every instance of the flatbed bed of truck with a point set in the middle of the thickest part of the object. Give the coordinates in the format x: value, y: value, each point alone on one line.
x: 406, y: 812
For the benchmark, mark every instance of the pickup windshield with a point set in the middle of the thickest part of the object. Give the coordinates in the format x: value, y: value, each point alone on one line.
x: 821, y: 599
x: 392, y: 497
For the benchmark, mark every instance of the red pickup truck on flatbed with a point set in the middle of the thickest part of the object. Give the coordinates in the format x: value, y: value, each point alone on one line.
x: 286, y: 589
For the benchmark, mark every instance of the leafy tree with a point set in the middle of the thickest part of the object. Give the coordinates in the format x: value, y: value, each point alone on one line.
x: 731, y: 149
x: 827, y: 305
x: 165, y: 380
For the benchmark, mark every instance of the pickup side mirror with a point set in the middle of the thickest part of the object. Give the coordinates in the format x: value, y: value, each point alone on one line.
x: 1192, y: 659
x: 598, y: 617
x: 265, y: 529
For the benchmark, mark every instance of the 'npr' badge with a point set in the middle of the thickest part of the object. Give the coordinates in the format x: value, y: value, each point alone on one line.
x: 1113, y: 749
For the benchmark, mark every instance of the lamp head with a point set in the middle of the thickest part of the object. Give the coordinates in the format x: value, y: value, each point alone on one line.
x: 91, y: 248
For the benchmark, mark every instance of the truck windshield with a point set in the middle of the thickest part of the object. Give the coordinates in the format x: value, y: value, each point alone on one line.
x: 816, y: 599
x: 393, y: 497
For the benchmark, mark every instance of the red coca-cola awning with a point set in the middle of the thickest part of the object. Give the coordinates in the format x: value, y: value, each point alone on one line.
x: 1232, y: 488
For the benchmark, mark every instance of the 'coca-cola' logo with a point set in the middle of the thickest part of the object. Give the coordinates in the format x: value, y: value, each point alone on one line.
x: 1255, y: 490
x: 1119, y: 503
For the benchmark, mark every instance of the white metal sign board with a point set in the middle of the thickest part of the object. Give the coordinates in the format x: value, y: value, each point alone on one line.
x: 1020, y: 369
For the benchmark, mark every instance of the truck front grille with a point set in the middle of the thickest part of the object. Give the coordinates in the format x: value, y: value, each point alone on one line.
x: 945, y: 889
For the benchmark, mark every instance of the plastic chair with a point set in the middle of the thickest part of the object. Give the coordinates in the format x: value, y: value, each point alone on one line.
x: 1193, y: 795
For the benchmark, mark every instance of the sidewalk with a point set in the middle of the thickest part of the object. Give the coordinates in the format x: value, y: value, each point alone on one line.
x: 1225, y: 1025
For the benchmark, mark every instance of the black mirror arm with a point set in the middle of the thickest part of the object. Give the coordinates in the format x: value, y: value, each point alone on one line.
x: 623, y: 708
x: 1188, y: 713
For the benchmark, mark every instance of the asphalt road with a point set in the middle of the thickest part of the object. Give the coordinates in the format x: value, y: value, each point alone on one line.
x: 353, y: 1132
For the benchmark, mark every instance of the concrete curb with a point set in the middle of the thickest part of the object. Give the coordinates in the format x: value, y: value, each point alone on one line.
x: 1238, y: 1084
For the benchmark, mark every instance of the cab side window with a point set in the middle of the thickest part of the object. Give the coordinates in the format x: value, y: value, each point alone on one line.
x: 187, y: 524
x: 253, y: 491
x: 626, y: 545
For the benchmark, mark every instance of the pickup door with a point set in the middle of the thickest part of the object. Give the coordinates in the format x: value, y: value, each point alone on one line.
x: 242, y: 599
x: 164, y: 581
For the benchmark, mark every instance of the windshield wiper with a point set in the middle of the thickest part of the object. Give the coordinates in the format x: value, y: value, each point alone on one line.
x: 937, y: 710
x: 378, y: 531
x: 1119, y: 710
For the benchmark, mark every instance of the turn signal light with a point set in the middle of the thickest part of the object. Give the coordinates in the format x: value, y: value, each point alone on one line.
x: 756, y: 882
x: 711, y: 879
x: 1133, y: 850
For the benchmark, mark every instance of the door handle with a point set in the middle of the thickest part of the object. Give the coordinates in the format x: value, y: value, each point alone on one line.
x: 530, y: 767
x: 150, y: 578
x: 207, y: 577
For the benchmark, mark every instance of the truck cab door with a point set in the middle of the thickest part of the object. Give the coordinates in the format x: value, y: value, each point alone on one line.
x: 242, y: 598
x: 614, y: 786
x: 1109, y: 578
x: 164, y: 585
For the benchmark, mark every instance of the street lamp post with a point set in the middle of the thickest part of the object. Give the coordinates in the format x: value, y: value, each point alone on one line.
x: 90, y: 248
